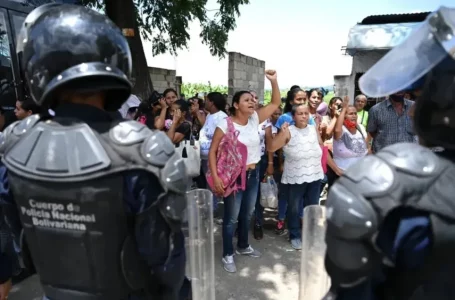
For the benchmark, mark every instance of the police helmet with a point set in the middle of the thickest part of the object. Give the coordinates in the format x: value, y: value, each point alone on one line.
x: 67, y: 47
x: 425, y: 61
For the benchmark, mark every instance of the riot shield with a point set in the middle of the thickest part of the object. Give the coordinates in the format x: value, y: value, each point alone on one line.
x: 201, y: 244
x: 314, y: 281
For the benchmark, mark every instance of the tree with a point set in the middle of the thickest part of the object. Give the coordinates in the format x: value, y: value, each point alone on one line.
x: 165, y: 23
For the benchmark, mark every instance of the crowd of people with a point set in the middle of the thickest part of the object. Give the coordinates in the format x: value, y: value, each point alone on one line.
x: 300, y: 140
x: 303, y: 142
x: 100, y: 215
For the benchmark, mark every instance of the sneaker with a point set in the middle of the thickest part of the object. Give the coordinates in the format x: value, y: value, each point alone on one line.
x: 229, y: 264
x: 296, y: 244
x: 249, y: 251
x: 257, y: 232
x: 280, y: 228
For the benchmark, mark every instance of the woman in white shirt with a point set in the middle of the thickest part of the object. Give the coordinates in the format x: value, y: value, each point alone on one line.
x: 240, y: 205
x: 302, y: 170
x: 215, y: 105
x: 349, y: 141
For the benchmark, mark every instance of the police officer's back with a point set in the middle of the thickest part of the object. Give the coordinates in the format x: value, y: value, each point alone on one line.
x: 100, y: 200
x: 391, y: 217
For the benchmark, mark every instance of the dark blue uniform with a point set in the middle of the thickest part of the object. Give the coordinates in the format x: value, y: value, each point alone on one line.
x: 140, y: 194
x: 406, y: 245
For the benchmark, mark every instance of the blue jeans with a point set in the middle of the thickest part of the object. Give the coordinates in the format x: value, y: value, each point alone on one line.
x: 259, y: 210
x: 239, y: 206
x: 300, y: 196
x: 205, y: 168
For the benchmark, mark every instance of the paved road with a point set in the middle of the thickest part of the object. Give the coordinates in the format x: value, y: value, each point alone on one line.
x: 274, y: 276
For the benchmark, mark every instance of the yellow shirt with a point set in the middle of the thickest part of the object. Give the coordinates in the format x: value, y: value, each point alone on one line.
x: 362, y: 118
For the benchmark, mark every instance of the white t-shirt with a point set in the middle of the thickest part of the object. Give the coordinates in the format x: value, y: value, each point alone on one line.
x: 248, y: 135
x: 207, y: 131
x: 350, y: 147
x: 261, y: 131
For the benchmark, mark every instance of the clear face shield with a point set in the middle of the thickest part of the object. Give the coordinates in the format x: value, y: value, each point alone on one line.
x: 426, y: 47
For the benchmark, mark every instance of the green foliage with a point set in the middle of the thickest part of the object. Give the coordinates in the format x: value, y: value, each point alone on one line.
x: 166, y: 22
x: 191, y: 89
x: 329, y: 96
x: 268, y: 95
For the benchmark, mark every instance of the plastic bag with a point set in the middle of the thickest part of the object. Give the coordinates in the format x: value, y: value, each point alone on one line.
x: 269, y: 193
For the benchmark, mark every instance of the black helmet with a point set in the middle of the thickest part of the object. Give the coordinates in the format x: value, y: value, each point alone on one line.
x: 424, y: 61
x: 70, y: 47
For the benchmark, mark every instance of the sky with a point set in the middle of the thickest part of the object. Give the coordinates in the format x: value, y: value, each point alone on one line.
x: 300, y: 39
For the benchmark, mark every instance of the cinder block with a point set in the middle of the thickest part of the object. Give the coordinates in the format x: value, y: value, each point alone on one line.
x: 238, y: 83
x: 243, y: 58
x: 243, y: 75
x: 231, y: 73
x: 158, y: 77
x: 238, y: 65
x: 238, y: 74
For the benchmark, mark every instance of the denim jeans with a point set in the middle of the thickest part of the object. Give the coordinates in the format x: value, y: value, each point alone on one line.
x: 282, y: 200
x: 259, y: 210
x: 205, y: 168
x: 240, y: 206
x: 300, y: 196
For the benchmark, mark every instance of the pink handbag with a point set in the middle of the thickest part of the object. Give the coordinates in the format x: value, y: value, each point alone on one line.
x: 230, y: 162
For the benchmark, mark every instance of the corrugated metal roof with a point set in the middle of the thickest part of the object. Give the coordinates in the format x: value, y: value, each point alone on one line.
x: 378, y: 36
x: 395, y: 18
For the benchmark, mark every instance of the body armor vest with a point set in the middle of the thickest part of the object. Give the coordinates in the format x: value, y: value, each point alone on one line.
x: 68, y: 184
x: 401, y: 175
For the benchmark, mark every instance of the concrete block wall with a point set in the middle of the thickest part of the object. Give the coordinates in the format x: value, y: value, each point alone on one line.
x: 245, y: 73
x: 162, y: 78
x: 342, y: 85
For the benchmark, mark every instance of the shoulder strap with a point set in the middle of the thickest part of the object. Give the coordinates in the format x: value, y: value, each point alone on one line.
x: 360, y: 130
x: 230, y: 124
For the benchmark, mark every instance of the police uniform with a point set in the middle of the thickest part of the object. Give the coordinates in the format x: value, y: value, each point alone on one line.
x: 100, y: 201
x: 391, y: 217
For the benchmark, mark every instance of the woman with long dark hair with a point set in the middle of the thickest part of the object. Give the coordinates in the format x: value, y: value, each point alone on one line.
x: 215, y: 106
x: 239, y: 206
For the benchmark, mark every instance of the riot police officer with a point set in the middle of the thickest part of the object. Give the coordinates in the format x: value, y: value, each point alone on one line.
x: 391, y: 217
x: 99, y: 201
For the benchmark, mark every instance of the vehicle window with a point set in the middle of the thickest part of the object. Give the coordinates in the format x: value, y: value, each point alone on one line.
x: 7, y: 92
x: 17, y: 23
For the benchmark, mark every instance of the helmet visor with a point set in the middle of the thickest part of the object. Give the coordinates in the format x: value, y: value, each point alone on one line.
x: 404, y: 64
